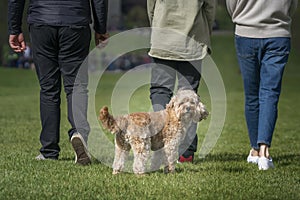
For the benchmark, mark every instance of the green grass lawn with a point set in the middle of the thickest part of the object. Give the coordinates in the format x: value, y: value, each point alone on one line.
x: 223, y: 174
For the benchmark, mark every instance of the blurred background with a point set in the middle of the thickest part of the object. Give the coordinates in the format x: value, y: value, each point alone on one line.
x: 123, y: 15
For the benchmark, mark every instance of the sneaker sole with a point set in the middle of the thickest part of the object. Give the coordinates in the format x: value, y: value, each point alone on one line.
x: 82, y: 156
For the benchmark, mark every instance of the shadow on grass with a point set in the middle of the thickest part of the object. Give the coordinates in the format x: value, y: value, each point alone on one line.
x: 222, y: 157
x: 287, y: 159
x: 67, y: 159
x: 226, y: 157
x: 227, y: 162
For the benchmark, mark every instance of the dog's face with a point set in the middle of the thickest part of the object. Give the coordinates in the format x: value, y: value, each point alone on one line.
x: 187, y: 106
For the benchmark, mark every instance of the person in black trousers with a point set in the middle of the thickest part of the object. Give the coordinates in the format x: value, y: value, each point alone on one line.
x: 60, y: 36
x: 180, y: 39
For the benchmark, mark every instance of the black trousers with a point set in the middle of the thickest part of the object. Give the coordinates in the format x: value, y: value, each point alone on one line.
x: 163, y: 78
x: 58, y: 53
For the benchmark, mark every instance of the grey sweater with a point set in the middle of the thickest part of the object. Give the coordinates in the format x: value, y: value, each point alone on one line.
x: 262, y: 18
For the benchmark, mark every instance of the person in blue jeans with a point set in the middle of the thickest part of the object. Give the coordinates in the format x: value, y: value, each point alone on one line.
x: 262, y: 39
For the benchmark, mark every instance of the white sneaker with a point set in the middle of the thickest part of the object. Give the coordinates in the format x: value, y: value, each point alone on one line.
x: 265, y: 163
x: 252, y: 159
x: 40, y: 157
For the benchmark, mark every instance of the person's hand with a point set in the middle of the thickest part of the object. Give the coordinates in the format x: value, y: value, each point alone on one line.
x: 17, y: 42
x: 101, y: 39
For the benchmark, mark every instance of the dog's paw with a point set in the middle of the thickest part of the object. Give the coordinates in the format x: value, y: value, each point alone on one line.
x: 115, y: 172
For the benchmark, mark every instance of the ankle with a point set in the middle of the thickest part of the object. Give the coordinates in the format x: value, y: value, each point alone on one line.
x: 254, y: 152
x: 264, y: 151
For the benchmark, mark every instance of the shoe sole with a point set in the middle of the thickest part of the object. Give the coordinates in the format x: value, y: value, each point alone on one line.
x: 81, y: 155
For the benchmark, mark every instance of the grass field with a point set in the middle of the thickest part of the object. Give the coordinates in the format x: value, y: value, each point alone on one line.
x: 223, y: 174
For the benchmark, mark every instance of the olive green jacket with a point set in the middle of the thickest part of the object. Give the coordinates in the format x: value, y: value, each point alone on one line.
x: 181, y: 29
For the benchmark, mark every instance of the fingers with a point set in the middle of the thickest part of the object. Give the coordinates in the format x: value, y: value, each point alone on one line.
x: 23, y: 45
x: 101, y: 39
x: 15, y: 45
x: 17, y: 42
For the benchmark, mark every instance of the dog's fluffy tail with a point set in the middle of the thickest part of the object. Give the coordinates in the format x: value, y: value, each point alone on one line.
x: 108, y: 121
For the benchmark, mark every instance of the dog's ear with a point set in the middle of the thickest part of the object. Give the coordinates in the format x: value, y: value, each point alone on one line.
x: 103, y: 113
x: 170, y: 105
x: 201, y: 112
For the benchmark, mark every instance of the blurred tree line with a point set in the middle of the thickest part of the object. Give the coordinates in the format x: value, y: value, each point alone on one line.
x: 134, y: 14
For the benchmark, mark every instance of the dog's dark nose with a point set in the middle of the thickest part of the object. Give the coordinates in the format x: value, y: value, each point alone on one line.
x: 188, y: 109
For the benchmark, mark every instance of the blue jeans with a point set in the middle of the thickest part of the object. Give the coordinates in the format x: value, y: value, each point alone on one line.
x: 262, y: 62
